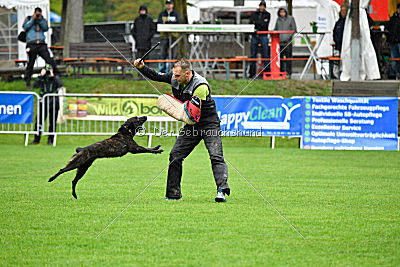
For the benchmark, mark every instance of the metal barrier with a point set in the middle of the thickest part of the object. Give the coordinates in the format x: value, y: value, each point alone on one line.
x: 68, y: 115
x: 22, y: 128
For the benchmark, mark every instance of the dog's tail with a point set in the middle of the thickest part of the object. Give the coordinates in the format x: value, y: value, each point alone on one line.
x: 78, y: 149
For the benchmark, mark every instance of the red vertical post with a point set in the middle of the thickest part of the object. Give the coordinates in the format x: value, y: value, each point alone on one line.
x: 275, y: 73
x: 275, y: 58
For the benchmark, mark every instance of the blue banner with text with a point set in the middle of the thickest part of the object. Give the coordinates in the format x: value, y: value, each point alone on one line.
x: 350, y: 123
x: 16, y: 108
x: 259, y: 116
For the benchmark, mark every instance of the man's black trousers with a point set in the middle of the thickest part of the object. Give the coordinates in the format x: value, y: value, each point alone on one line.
x: 52, y: 107
x: 34, y: 51
x: 189, y: 137
x: 286, y: 65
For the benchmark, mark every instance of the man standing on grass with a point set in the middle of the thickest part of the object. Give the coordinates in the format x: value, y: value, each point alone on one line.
x: 186, y: 86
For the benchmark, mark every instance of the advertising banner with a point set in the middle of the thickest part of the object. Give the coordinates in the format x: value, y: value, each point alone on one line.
x: 16, y: 108
x: 108, y: 108
x: 350, y: 123
x: 259, y: 116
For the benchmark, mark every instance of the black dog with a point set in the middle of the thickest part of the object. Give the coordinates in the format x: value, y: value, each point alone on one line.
x: 116, y: 146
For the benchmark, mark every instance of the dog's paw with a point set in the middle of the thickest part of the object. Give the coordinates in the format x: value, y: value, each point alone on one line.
x: 158, y: 151
x: 156, y: 148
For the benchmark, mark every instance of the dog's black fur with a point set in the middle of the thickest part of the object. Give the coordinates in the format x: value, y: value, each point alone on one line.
x: 116, y: 146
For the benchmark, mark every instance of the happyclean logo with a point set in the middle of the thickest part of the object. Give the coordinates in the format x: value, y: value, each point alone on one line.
x: 261, y: 117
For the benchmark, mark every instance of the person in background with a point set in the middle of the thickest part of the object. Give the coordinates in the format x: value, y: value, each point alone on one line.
x: 260, y: 19
x: 168, y: 16
x: 48, y: 84
x: 35, y: 26
x: 285, y: 22
x: 142, y: 31
x: 394, y: 40
x: 339, y: 28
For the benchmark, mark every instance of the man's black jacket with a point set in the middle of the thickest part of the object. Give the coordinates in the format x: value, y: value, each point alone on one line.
x: 338, y: 33
x: 143, y: 30
x: 260, y: 20
x: 394, y: 29
x: 47, y: 84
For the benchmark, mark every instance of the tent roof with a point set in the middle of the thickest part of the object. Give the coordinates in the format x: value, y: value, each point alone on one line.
x: 24, y: 3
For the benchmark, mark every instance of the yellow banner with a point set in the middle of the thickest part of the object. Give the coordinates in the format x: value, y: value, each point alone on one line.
x: 82, y: 107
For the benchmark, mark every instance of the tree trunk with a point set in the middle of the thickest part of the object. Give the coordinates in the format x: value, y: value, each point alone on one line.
x: 290, y: 7
x: 181, y: 7
x: 74, y: 24
x: 63, y: 19
x: 355, y: 40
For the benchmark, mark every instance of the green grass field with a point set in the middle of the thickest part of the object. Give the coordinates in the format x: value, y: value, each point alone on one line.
x: 286, y: 88
x: 345, y: 203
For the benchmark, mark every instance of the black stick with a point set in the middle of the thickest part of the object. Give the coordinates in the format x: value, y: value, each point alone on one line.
x: 150, y: 50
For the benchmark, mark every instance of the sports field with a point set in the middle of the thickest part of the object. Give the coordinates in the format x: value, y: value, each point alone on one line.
x: 346, y: 204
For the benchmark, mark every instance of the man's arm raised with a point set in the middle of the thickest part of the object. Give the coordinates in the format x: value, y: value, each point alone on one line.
x: 152, y: 74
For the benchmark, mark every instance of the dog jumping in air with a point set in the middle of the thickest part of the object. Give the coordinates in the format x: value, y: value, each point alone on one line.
x: 117, y: 145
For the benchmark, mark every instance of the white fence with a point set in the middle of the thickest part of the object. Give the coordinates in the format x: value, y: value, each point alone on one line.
x: 83, y: 124
x: 67, y: 114
x: 22, y: 128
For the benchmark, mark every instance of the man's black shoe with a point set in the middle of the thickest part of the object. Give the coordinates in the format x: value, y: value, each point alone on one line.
x: 35, y: 142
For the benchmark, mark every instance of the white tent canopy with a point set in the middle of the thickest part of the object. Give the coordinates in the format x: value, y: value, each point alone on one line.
x: 369, y: 68
x: 324, y: 12
x: 25, y: 8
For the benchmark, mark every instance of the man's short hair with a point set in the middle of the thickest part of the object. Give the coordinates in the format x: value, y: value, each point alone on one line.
x: 183, y: 63
x: 38, y: 9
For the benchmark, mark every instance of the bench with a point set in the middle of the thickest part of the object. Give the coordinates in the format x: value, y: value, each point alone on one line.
x: 80, y: 67
x: 8, y: 74
x: 103, y: 49
x: 20, y: 62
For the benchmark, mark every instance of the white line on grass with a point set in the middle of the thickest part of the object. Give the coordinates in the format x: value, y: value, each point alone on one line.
x: 119, y: 214
x: 255, y: 77
x: 266, y: 200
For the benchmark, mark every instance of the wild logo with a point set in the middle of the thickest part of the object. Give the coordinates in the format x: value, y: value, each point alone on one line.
x: 130, y: 108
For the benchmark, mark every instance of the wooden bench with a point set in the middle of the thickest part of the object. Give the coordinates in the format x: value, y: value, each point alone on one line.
x: 20, y: 62
x: 8, y: 74
x: 332, y: 61
x: 103, y: 49
x: 79, y: 69
x: 101, y: 57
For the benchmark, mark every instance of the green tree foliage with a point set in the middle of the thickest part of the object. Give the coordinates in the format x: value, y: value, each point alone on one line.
x: 129, y: 10
x: 96, y: 10
x: 117, y: 10
x: 56, y: 6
